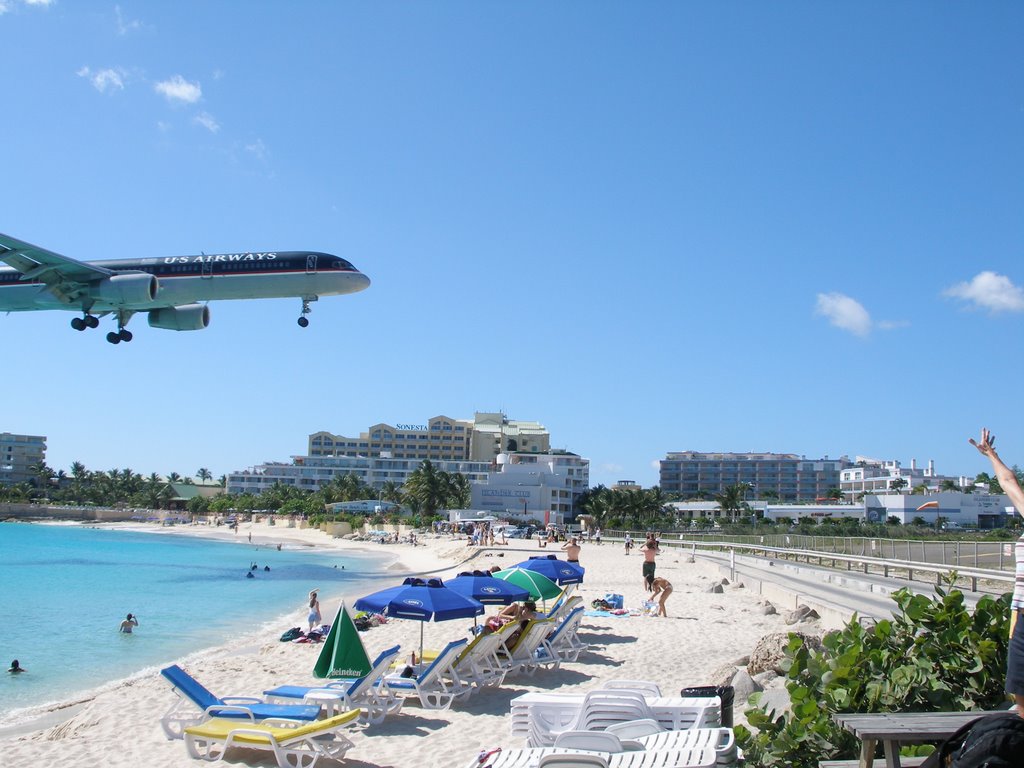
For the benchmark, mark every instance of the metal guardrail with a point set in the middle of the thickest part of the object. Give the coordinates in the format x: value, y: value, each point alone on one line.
x: 965, y: 567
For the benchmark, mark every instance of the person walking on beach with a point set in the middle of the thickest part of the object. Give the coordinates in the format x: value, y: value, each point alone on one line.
x: 16, y: 668
x: 1011, y: 487
x: 314, y: 611
x: 572, y: 550
x: 130, y: 623
x: 663, y: 587
x: 650, y: 550
x: 629, y: 543
x: 597, y: 537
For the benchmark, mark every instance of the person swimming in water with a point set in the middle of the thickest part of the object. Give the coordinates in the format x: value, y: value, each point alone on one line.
x: 128, y: 624
x: 16, y: 668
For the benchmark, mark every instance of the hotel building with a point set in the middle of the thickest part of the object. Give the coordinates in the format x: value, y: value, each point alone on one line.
x: 874, y: 476
x: 440, y: 439
x: 790, y: 477
x: 541, y: 487
x: 18, y: 455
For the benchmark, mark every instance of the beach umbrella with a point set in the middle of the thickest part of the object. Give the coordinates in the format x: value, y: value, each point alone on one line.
x: 538, y: 585
x: 342, y: 654
x: 421, y: 600
x: 559, y: 571
x: 482, y: 586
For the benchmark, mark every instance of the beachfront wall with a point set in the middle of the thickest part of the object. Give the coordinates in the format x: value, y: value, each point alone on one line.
x: 93, y: 514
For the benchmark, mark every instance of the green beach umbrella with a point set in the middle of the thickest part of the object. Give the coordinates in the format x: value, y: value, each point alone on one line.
x: 343, y: 654
x: 538, y: 585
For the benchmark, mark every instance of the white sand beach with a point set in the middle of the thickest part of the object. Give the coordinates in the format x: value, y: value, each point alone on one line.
x: 704, y: 630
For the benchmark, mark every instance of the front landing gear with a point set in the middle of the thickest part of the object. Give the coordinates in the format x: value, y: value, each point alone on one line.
x: 303, y: 321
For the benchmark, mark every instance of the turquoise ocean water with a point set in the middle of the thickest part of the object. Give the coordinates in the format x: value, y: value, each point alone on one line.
x: 64, y: 590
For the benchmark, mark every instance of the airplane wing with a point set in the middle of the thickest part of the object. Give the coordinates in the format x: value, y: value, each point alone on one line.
x: 66, y: 278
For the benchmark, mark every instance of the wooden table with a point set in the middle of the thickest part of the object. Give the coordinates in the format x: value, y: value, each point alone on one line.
x: 896, y: 728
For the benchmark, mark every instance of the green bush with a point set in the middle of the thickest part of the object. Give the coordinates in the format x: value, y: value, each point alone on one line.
x: 933, y: 656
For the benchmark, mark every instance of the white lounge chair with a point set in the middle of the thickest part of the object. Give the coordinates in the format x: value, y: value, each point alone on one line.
x: 647, y: 734
x: 293, y: 747
x: 248, y: 708
x: 563, y: 642
x: 478, y: 663
x: 561, y: 757
x: 436, y: 686
x: 526, y: 655
x: 366, y: 693
x: 598, y: 710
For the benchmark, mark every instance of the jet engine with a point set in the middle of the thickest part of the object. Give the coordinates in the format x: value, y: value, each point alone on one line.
x: 188, y: 317
x: 125, y: 290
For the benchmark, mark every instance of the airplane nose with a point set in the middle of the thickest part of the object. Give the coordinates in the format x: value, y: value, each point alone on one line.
x: 361, y: 282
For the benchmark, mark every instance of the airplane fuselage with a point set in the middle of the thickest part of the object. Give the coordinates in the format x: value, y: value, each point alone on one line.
x: 185, y: 280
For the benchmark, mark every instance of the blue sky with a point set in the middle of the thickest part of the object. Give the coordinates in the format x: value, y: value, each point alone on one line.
x: 792, y: 227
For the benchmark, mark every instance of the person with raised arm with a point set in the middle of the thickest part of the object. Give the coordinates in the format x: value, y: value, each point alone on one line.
x: 1011, y: 487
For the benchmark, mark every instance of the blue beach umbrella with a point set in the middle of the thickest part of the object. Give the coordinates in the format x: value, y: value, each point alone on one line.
x: 421, y: 600
x: 482, y: 586
x: 559, y: 571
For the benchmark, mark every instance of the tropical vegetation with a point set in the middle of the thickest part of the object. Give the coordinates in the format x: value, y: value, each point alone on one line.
x: 934, y: 655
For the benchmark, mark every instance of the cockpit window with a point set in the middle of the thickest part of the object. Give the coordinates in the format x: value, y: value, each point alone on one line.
x: 340, y: 263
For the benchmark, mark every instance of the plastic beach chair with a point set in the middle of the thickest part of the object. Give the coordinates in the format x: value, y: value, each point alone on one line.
x: 436, y: 686
x: 293, y: 747
x: 366, y: 692
x: 232, y: 708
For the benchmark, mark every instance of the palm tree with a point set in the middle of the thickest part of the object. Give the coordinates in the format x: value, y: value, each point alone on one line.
x: 427, y: 489
x: 949, y: 485
x: 898, y: 484
x: 731, y: 500
x: 204, y: 474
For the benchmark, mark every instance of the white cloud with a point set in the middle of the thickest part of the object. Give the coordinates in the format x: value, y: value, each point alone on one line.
x: 207, y: 121
x: 41, y: 3
x: 8, y: 5
x: 178, y: 88
x: 103, y: 79
x: 258, y: 148
x: 656, y: 464
x: 845, y: 313
x: 124, y: 26
x: 991, y: 291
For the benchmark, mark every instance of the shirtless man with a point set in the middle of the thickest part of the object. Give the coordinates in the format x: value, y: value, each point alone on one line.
x: 572, y: 550
x: 128, y: 624
x: 650, y: 550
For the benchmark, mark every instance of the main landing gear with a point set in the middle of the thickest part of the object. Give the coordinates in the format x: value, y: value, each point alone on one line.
x: 303, y: 321
x: 86, y: 321
x: 122, y: 334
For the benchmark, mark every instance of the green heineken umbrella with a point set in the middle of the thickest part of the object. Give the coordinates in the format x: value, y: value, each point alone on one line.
x: 343, y: 654
x: 538, y: 585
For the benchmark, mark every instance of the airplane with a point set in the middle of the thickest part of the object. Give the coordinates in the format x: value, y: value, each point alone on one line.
x: 170, y: 290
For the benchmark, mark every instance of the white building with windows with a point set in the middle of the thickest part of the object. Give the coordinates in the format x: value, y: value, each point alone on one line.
x: 441, y: 439
x: 540, y: 487
x: 310, y: 473
x: 874, y: 476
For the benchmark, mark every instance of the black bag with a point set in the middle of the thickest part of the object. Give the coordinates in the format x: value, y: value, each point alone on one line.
x: 992, y: 741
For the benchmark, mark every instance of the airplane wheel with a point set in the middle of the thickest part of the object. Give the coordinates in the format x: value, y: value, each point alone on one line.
x: 125, y: 334
x: 303, y: 322
x: 92, y: 321
x: 114, y: 338
x: 78, y: 323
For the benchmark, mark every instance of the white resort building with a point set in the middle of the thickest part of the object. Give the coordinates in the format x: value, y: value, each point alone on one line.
x: 441, y: 439
x: 18, y: 455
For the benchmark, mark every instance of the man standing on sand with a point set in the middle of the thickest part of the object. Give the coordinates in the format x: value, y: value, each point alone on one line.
x: 650, y: 550
x: 572, y: 550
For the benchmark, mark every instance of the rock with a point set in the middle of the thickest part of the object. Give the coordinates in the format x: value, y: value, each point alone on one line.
x: 801, y: 613
x: 775, y: 701
x: 770, y: 650
x: 767, y: 609
x: 743, y: 685
x: 723, y: 675
x: 716, y: 588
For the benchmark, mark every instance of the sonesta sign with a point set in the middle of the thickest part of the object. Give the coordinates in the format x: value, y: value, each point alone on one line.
x: 412, y: 427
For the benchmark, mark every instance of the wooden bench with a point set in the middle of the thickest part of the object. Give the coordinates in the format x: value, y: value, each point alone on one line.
x: 895, y: 728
